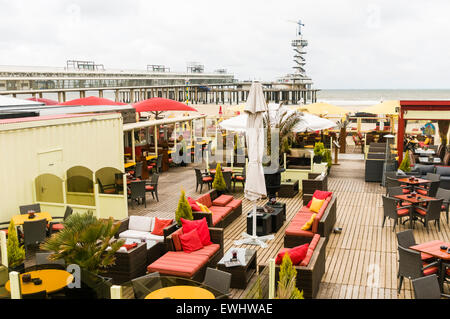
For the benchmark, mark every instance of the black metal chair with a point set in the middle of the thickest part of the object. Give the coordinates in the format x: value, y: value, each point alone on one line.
x: 410, y: 265
x: 137, y: 192
x: 444, y: 194
x: 138, y: 170
x: 429, y: 213
x: 406, y: 239
x: 202, y: 178
x: 427, y: 288
x: 239, y: 178
x: 34, y: 232
x: 227, y: 176
x: 57, y: 226
x: 218, y: 280
x: 24, y: 209
x: 392, y: 211
x: 144, y: 285
x: 152, y: 186
x: 107, y: 189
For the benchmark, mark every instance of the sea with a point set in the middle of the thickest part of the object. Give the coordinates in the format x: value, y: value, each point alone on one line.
x: 362, y: 98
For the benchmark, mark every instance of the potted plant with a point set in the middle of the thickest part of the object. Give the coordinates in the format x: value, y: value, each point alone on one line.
x: 319, y: 149
x: 87, y: 242
x: 288, y: 278
x: 16, y: 253
x: 327, y: 159
x: 282, y: 126
x: 184, y: 210
x: 405, y: 165
x: 219, y: 182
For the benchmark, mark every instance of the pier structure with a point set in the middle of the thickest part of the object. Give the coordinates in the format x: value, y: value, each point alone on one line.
x: 132, y: 86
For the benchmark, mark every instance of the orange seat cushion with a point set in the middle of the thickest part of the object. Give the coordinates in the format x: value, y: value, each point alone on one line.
x: 430, y: 271
x: 403, y: 212
x: 207, y: 179
x: 149, y: 188
x: 178, y: 263
x: 420, y: 211
x: 422, y: 192
x: 222, y: 200
x: 57, y: 226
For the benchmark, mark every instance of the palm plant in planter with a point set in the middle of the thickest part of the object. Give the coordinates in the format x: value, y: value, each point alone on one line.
x: 84, y: 241
x: 281, y: 128
x: 16, y: 254
x: 342, y: 125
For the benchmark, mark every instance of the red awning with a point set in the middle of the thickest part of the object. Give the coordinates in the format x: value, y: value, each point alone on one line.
x: 42, y: 100
x: 158, y: 104
x: 92, y: 100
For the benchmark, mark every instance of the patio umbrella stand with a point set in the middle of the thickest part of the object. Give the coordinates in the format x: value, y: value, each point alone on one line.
x: 255, y: 186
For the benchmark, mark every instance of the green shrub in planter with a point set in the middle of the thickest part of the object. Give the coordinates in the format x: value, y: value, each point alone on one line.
x: 184, y: 210
x: 406, y: 163
x: 219, y: 182
x: 16, y: 254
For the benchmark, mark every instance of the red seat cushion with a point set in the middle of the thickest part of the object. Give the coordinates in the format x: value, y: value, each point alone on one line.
x: 222, y: 200
x: 149, y: 188
x: 178, y: 263
x: 5, y: 230
x: 209, y: 250
x: 220, y: 210
x: 420, y: 211
x: 405, y: 191
x: 201, y: 226
x: 191, y: 241
x: 403, y: 212
x: 235, y: 203
x: 57, y: 226
x: 239, y: 178
x: 109, y: 191
x: 320, y: 195
x: 170, y: 160
x: 424, y: 256
x: 207, y: 179
x: 430, y: 271
x: 422, y: 192
x: 443, y: 207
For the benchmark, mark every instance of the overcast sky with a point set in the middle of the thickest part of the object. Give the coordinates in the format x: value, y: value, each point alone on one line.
x: 352, y: 43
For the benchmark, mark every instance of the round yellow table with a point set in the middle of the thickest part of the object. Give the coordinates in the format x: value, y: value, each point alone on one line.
x: 181, y: 292
x: 52, y: 280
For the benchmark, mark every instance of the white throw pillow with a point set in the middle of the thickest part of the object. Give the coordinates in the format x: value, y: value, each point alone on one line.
x: 140, y: 223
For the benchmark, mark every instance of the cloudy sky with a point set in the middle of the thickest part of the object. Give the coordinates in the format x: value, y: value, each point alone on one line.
x: 352, y: 43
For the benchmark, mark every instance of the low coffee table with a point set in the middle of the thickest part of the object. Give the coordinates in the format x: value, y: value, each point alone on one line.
x: 278, y: 215
x: 263, y: 223
x: 288, y: 189
x: 240, y: 275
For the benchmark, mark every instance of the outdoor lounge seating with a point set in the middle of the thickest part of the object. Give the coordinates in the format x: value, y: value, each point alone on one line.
x: 141, y: 227
x: 224, y: 209
x: 323, y: 223
x: 191, y: 265
x: 313, y: 183
x: 421, y: 171
x: 311, y: 269
x: 129, y: 264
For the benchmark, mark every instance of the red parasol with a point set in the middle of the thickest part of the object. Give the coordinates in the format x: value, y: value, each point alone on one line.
x: 158, y: 104
x: 92, y: 100
x: 42, y: 100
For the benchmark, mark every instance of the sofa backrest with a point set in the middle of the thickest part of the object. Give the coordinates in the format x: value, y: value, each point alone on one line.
x: 424, y: 169
x: 205, y: 200
x: 141, y: 223
x: 443, y: 170
x: 312, y: 246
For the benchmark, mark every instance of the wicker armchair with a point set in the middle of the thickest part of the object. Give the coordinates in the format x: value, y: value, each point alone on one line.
x: 392, y: 211
x: 429, y: 213
x: 444, y: 194
x: 427, y: 288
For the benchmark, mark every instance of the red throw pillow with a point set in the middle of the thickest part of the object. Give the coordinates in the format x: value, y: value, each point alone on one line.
x: 201, y: 226
x: 297, y: 254
x: 130, y: 246
x: 191, y: 241
x: 193, y: 204
x: 160, y: 224
x: 319, y: 195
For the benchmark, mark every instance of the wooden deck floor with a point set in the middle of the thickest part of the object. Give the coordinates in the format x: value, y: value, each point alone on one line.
x: 361, y: 262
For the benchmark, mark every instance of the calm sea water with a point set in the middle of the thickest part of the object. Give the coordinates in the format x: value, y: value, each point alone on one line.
x: 371, y: 97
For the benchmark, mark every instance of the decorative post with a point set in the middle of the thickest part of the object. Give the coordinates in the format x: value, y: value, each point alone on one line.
x: 272, y: 278
x: 116, y: 292
x: 14, y: 282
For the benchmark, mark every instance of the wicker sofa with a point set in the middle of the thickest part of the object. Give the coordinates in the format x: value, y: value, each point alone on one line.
x: 128, y: 265
x: 192, y: 265
x: 311, y: 269
x: 313, y: 183
x: 225, y: 209
x: 323, y: 223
